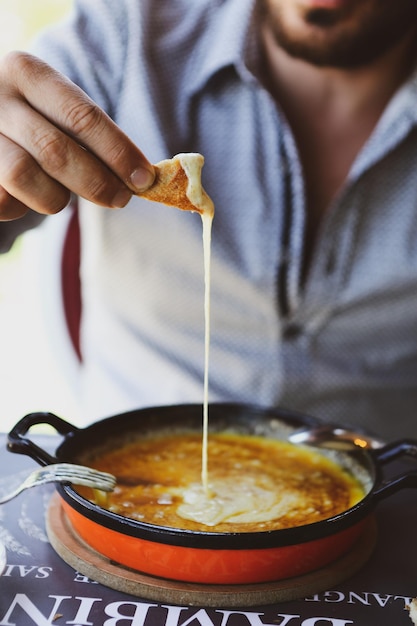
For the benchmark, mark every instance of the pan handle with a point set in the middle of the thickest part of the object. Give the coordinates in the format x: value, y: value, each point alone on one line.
x: 18, y: 442
x: 391, y: 452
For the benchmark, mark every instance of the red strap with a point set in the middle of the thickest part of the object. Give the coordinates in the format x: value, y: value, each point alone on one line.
x: 71, y: 284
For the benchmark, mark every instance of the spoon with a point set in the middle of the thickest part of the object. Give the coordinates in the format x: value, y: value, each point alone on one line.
x: 329, y: 436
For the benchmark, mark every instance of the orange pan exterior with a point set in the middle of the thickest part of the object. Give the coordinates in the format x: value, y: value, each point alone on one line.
x: 208, y: 565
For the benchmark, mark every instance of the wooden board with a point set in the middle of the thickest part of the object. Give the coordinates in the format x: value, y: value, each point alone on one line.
x: 76, y: 553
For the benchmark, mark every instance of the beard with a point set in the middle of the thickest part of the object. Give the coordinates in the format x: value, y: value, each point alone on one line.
x: 348, y: 37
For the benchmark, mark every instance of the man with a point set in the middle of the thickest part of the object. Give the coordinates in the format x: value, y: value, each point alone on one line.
x: 305, y: 112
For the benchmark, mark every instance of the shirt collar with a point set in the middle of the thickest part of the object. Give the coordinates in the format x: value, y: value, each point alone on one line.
x: 229, y: 41
x: 396, y: 122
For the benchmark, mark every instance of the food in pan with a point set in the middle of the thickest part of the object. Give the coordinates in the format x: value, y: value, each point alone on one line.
x: 255, y: 483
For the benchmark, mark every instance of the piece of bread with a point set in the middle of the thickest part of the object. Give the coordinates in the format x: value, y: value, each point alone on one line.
x: 178, y: 184
x: 413, y: 611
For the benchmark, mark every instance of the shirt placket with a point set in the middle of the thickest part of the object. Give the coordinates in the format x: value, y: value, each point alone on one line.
x: 306, y: 304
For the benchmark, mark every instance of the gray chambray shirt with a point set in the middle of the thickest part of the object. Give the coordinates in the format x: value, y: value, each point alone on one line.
x: 180, y: 75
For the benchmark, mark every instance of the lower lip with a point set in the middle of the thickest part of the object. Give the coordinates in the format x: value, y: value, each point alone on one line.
x: 324, y: 4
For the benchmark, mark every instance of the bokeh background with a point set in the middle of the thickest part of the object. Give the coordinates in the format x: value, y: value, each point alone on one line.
x: 28, y: 380
x: 21, y: 20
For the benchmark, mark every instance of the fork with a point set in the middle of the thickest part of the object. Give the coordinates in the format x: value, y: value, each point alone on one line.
x: 65, y: 473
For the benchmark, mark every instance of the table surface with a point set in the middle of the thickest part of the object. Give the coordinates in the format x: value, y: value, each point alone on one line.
x: 38, y: 587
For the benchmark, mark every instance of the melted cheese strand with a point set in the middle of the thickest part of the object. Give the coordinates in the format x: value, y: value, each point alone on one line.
x: 207, y: 224
x: 192, y: 164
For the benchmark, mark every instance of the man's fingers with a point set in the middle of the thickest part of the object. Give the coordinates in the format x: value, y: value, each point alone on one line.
x: 58, y: 156
x: 25, y: 185
x: 10, y: 208
x: 69, y: 108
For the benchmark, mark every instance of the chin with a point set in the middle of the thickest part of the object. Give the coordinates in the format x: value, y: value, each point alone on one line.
x: 345, y: 35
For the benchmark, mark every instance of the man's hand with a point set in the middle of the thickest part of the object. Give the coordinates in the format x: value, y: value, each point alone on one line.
x: 54, y: 140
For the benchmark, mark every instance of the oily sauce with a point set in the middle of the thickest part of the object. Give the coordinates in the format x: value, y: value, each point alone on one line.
x: 254, y: 483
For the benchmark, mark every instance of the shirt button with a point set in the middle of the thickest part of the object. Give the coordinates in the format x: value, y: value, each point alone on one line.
x: 292, y: 331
